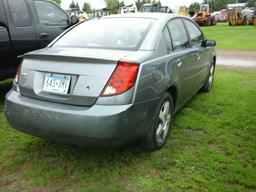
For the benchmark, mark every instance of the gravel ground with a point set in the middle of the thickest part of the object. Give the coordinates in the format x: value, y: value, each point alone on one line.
x: 244, y: 59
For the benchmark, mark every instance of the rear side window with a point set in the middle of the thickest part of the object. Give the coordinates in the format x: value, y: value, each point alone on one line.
x: 19, y: 13
x: 195, y: 34
x: 168, y: 39
x: 50, y: 15
x: 112, y: 33
x: 178, y: 34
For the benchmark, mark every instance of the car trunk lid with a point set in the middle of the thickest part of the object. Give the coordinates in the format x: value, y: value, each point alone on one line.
x: 87, y: 72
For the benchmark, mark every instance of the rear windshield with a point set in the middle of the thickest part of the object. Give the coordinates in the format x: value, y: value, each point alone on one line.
x: 112, y: 33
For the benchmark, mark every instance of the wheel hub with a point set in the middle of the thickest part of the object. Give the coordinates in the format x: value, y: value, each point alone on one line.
x: 164, y: 122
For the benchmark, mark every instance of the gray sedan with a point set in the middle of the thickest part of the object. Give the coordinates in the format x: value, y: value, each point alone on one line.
x: 112, y: 80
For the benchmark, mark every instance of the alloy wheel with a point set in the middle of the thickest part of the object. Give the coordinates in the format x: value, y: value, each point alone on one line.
x: 163, y: 122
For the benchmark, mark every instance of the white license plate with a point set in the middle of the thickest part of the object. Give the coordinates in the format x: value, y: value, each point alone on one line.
x: 55, y: 83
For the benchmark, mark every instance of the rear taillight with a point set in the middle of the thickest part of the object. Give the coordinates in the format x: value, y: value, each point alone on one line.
x: 16, y: 79
x: 123, y: 79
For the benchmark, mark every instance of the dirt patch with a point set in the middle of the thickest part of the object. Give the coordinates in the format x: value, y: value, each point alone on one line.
x: 236, y: 54
x: 238, y: 59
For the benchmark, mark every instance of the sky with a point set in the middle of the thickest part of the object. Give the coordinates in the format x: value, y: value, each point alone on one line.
x: 97, y: 4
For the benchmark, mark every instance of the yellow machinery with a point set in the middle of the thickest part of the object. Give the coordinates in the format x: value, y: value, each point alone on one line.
x: 183, y: 10
x: 236, y: 17
x: 252, y: 21
x: 204, y: 17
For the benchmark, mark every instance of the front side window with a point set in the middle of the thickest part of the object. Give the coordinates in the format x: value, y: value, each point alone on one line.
x: 50, y: 15
x: 113, y: 33
x: 178, y: 34
x: 195, y: 34
x: 19, y: 13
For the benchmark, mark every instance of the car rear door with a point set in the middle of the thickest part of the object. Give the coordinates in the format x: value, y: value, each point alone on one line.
x: 202, y: 53
x: 183, y: 58
x: 20, y: 26
x: 50, y: 21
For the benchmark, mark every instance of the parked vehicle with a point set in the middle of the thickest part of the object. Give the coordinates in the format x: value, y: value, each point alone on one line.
x: 236, y: 17
x: 184, y: 11
x: 112, y: 87
x: 252, y: 20
x: 204, y: 16
x: 224, y: 15
x: 155, y: 8
x: 217, y: 15
x: 132, y: 8
x: 26, y: 25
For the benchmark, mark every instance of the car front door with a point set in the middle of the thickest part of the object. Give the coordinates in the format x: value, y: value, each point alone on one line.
x: 50, y: 19
x: 183, y: 58
x: 202, y: 53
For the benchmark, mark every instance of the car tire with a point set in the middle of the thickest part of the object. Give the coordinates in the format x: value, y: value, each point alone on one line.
x: 158, y: 134
x: 207, y: 87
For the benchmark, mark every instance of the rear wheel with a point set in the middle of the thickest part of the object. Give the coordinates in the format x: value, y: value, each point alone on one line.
x: 158, y: 134
x: 209, y: 21
x: 209, y: 81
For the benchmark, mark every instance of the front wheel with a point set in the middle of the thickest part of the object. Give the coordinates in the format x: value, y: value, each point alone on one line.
x: 158, y: 134
x: 209, y: 81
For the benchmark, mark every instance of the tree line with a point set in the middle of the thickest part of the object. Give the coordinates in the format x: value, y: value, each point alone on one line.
x: 217, y: 5
x: 114, y: 5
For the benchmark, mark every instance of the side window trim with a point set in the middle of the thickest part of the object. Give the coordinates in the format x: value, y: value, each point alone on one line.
x: 170, y: 36
x: 165, y: 40
x: 202, y: 34
x: 187, y: 32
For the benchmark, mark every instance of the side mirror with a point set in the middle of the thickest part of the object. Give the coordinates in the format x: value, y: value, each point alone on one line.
x: 73, y: 20
x: 209, y: 43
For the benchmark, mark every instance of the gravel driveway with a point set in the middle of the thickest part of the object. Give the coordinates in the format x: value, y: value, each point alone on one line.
x: 244, y: 59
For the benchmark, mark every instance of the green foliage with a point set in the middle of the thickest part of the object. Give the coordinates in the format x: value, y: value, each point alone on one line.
x: 77, y: 6
x: 211, y: 148
x: 57, y: 1
x: 121, y: 4
x: 251, y: 3
x: 140, y: 3
x: 72, y: 5
x: 194, y: 6
x: 87, y: 7
x: 113, y: 5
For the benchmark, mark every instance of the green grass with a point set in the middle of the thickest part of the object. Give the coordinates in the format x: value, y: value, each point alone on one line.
x: 232, y: 37
x: 211, y: 148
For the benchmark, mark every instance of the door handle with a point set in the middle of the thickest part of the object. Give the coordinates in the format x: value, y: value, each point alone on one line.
x: 43, y: 35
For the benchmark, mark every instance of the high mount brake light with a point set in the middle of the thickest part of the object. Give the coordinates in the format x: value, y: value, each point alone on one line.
x: 123, y: 79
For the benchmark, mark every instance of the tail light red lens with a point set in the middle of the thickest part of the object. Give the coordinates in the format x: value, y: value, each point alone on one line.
x: 123, y: 79
x: 16, y: 79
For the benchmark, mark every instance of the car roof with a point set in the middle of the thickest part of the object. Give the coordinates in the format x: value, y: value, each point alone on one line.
x: 157, y: 16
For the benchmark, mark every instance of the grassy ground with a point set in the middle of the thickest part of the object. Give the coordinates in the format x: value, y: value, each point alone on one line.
x: 232, y: 37
x: 211, y: 148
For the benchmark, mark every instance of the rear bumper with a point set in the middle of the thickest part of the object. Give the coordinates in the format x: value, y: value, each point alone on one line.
x: 98, y: 126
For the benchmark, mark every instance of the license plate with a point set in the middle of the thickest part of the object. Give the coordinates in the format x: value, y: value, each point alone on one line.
x: 56, y: 83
